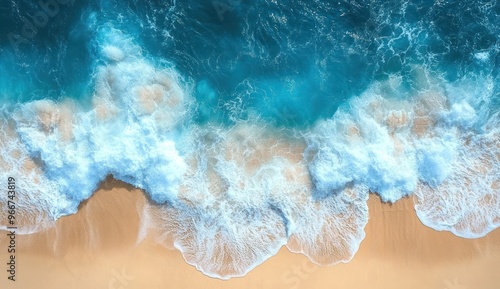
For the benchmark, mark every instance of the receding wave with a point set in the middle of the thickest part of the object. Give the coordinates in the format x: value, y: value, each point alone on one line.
x: 229, y: 194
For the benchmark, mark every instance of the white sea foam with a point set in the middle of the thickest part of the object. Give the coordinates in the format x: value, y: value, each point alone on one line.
x: 36, y: 197
x: 369, y: 145
x: 459, y: 164
x: 441, y: 144
x: 230, y: 197
x: 113, y: 53
x: 466, y: 200
x: 128, y: 133
x: 230, y: 215
x: 482, y: 56
x: 246, y: 192
x: 330, y: 230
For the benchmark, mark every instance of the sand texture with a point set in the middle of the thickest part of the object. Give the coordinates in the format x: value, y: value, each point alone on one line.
x: 97, y: 248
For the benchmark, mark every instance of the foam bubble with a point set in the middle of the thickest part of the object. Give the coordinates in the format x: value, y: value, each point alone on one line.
x: 482, y: 56
x: 113, y: 53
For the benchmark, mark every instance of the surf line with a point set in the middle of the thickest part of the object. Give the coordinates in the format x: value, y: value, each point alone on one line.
x: 11, y: 221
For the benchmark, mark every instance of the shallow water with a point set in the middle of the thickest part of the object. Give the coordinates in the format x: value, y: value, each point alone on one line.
x: 255, y: 125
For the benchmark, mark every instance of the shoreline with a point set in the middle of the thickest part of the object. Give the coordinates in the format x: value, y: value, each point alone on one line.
x: 397, y: 252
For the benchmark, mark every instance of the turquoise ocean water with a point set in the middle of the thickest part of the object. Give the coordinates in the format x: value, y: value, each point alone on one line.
x: 255, y: 124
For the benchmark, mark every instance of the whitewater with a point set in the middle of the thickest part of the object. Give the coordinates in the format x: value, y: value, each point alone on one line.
x: 251, y: 133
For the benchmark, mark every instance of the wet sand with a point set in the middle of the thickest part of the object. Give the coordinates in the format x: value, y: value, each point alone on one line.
x: 96, y: 248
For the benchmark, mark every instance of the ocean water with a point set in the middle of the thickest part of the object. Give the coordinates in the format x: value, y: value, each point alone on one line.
x: 252, y: 125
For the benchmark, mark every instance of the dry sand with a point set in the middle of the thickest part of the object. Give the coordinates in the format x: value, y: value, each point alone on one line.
x: 398, y: 252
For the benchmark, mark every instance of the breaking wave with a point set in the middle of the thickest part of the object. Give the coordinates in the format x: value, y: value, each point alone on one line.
x: 237, y: 170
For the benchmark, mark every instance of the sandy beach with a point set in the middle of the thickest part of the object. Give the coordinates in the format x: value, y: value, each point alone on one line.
x: 96, y: 248
x: 194, y: 144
